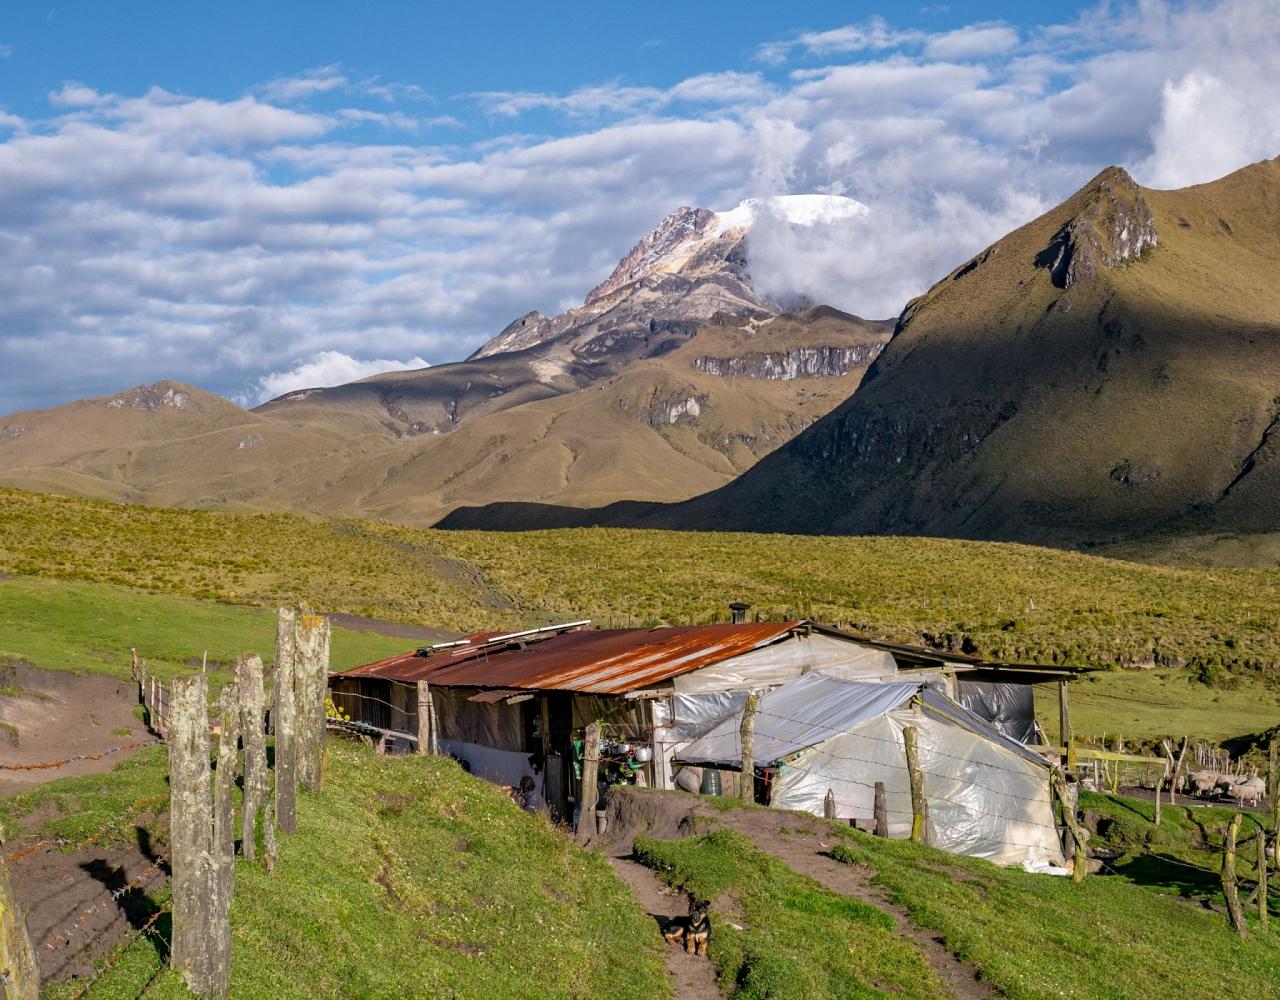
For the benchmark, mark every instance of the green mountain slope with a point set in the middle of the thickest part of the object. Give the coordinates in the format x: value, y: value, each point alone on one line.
x: 1110, y: 369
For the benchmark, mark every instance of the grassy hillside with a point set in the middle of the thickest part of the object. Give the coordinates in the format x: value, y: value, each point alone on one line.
x: 1006, y: 601
x: 1035, y: 937
x: 89, y: 627
x: 407, y: 878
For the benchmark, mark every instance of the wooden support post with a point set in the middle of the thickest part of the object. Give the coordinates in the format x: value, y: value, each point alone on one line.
x: 256, y: 786
x: 424, y: 718
x: 311, y: 682
x: 224, y: 837
x: 1079, y: 835
x: 881, y: 811
x: 1177, y: 769
x: 1274, y: 791
x: 919, y: 806
x: 589, y: 794
x: 197, y: 950
x: 1229, y: 887
x: 1264, y: 910
x: 829, y: 804
x: 284, y: 721
x: 746, y: 738
x: 20, y: 978
x: 1064, y: 716
x: 1160, y: 792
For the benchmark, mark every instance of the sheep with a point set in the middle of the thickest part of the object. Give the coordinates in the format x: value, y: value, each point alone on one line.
x: 1250, y: 789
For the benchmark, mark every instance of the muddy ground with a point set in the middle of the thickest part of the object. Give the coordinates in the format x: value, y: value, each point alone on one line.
x: 48, y: 716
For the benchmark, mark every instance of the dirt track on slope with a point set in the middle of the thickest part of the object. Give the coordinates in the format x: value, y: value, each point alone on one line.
x: 56, y: 715
x: 799, y: 840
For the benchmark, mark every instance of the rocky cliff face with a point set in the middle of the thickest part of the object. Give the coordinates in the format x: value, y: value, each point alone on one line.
x: 682, y: 226
x: 802, y: 362
x: 1116, y: 225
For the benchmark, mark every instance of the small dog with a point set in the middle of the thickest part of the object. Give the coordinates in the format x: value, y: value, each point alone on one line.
x: 694, y: 931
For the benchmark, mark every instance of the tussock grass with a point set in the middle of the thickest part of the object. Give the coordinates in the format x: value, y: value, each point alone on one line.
x: 780, y: 935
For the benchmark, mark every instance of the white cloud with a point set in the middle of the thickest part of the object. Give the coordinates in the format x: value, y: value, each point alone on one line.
x: 219, y: 241
x: 323, y: 369
x: 974, y: 41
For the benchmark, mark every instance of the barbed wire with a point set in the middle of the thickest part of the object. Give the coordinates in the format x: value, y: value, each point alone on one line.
x: 79, y: 757
x: 46, y: 845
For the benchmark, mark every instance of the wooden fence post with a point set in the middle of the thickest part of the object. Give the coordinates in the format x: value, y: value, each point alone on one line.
x: 589, y: 792
x: 881, y: 811
x: 224, y: 837
x: 1229, y: 887
x: 195, y: 950
x: 256, y: 786
x: 18, y: 975
x: 746, y: 738
x: 1079, y: 835
x: 829, y: 804
x: 424, y: 718
x: 1264, y: 911
x: 1177, y: 769
x: 283, y: 717
x: 311, y: 681
x: 919, y: 805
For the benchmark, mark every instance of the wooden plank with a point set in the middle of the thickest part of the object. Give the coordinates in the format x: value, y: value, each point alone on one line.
x: 1110, y: 755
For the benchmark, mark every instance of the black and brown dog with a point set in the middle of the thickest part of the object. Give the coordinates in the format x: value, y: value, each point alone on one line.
x: 694, y: 930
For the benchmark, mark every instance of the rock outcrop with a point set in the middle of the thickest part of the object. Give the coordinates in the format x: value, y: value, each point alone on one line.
x: 803, y: 362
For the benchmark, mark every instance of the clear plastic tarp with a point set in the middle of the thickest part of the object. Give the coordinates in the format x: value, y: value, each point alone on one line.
x: 784, y: 661
x: 1008, y: 707
x: 988, y: 797
x: 803, y: 713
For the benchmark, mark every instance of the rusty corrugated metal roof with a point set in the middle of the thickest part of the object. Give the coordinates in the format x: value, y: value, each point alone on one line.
x: 595, y: 661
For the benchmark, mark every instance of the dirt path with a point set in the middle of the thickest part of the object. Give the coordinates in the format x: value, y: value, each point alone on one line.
x: 801, y: 842
x: 693, y: 977
x: 798, y: 840
x: 52, y: 715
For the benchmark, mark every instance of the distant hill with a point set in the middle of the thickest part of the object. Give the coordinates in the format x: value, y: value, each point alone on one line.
x: 1109, y: 370
x: 660, y: 428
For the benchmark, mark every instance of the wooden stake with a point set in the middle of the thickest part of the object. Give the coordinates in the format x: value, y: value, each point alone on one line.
x: 589, y: 793
x: 1177, y: 769
x: 1080, y: 836
x: 829, y: 804
x: 256, y: 785
x: 196, y: 951
x: 881, y: 811
x: 1064, y: 717
x: 21, y: 980
x: 1264, y: 911
x: 283, y: 716
x: 424, y: 718
x: 311, y: 682
x: 1229, y: 886
x: 746, y: 738
x: 919, y: 806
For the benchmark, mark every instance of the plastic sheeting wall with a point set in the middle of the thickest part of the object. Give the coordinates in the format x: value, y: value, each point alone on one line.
x: 788, y: 659
x: 502, y: 767
x: 984, y: 801
x: 1009, y: 707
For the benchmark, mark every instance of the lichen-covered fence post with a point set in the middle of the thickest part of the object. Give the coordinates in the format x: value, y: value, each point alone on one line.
x: 424, y: 718
x: 1230, y: 888
x: 589, y: 792
x: 283, y: 715
x: 919, y: 805
x: 746, y: 740
x: 201, y: 944
x: 1079, y: 835
x: 19, y: 979
x: 252, y: 732
x: 311, y: 681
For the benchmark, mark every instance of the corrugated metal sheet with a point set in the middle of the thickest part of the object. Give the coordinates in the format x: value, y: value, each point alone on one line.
x: 596, y: 661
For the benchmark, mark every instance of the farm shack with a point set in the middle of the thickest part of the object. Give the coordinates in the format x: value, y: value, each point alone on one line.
x: 817, y: 736
x: 516, y: 704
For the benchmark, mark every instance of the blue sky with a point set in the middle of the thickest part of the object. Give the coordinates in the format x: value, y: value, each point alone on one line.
x: 255, y: 197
